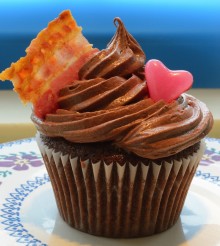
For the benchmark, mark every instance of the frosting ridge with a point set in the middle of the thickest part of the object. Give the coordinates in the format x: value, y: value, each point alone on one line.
x: 150, y: 130
x: 122, y: 57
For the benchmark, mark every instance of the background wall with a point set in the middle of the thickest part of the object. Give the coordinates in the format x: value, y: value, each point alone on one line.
x: 184, y: 34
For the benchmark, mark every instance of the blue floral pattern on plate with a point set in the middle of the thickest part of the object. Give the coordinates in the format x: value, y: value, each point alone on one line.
x: 11, y: 211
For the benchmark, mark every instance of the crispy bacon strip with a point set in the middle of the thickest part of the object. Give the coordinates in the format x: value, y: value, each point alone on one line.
x: 52, y: 61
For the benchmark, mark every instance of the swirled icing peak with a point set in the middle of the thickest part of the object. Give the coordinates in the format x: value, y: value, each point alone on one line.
x: 122, y: 57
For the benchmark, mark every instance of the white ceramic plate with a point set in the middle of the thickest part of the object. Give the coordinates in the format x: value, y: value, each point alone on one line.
x: 28, y: 214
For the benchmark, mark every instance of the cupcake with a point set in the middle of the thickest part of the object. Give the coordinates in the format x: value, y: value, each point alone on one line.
x: 120, y: 138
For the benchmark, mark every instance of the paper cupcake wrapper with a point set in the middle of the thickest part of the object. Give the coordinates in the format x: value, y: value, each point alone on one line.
x: 115, y: 200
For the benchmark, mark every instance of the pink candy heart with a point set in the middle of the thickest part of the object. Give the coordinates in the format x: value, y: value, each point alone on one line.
x: 166, y: 84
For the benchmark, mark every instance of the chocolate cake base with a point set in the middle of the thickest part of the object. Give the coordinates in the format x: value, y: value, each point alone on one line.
x: 105, y: 191
x: 107, y: 151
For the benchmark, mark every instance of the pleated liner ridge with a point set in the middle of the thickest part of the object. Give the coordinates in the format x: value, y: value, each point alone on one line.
x: 114, y: 200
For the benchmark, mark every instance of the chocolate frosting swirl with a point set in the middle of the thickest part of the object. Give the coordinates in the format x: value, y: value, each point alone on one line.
x: 110, y: 103
x: 150, y: 130
x: 122, y: 57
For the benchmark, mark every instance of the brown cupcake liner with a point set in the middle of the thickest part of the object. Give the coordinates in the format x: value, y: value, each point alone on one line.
x: 114, y: 200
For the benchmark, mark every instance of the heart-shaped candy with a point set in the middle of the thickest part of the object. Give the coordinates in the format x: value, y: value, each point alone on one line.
x: 166, y: 84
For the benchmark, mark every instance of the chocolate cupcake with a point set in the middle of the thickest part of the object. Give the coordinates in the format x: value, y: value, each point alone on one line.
x: 120, y: 163
x: 120, y: 156
x: 103, y: 190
